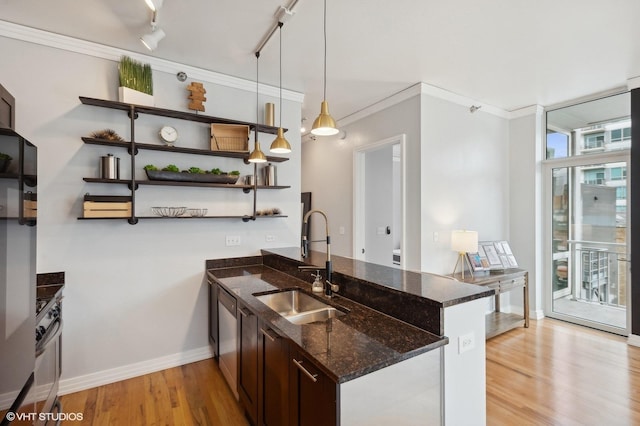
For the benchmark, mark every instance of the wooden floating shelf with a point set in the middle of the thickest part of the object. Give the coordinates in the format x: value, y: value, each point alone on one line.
x: 180, y: 183
x: 183, y: 217
x: 181, y: 115
x: 174, y: 149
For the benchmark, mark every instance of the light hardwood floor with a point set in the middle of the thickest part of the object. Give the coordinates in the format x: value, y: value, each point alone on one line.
x: 552, y: 373
x: 555, y: 373
x: 193, y: 394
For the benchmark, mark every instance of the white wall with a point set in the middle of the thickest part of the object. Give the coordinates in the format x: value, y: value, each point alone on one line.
x: 525, y: 206
x: 134, y: 294
x: 327, y: 172
x: 464, y: 178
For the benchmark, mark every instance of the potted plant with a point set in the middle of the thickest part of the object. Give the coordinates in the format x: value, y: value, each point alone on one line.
x: 5, y: 160
x: 136, y: 82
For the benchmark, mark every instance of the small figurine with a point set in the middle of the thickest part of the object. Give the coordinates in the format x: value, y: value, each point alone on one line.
x: 197, y: 96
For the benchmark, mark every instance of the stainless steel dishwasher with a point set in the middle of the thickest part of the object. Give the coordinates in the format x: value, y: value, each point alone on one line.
x: 228, y: 337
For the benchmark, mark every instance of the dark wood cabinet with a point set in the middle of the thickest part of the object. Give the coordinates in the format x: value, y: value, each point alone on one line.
x: 274, y: 377
x: 248, y: 362
x: 213, y: 317
x: 7, y: 109
x: 313, y: 395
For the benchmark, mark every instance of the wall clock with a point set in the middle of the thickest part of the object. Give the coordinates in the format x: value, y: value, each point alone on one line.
x: 168, y: 135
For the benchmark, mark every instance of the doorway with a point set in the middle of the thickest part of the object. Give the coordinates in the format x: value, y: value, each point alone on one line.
x: 379, y: 202
x: 586, y: 178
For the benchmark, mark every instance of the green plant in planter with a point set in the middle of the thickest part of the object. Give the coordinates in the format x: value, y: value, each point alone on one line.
x: 171, y: 168
x: 135, y: 75
x: 4, y: 156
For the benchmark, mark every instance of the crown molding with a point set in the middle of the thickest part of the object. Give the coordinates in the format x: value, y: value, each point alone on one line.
x: 88, y: 48
x: 526, y: 111
x: 441, y: 93
x: 421, y: 89
x: 633, y: 83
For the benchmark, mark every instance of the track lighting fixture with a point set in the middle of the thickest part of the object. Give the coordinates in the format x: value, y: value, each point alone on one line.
x: 154, y: 5
x: 152, y: 39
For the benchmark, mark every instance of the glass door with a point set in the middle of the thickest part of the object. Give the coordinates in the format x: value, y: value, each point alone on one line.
x: 586, y: 170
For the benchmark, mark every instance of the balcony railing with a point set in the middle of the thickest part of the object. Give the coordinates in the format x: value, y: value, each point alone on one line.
x: 599, y: 271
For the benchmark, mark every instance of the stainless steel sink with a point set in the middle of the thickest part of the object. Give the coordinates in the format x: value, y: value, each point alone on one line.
x: 298, y: 307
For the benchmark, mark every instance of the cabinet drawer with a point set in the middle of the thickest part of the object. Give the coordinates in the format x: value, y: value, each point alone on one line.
x: 495, y: 286
x: 511, y: 284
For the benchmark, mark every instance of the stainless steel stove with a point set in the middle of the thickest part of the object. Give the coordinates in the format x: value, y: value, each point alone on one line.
x: 48, y: 353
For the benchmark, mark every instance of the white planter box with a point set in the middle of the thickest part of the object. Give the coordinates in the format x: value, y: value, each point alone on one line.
x: 131, y: 96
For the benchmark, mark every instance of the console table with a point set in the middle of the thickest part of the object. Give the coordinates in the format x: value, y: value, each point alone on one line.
x: 510, y: 279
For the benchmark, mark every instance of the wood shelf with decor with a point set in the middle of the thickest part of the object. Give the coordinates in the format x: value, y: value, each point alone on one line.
x: 133, y: 147
x: 175, y: 149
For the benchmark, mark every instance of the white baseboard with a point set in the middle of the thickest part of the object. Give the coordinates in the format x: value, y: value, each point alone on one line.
x: 88, y: 381
x: 633, y: 340
x: 536, y: 314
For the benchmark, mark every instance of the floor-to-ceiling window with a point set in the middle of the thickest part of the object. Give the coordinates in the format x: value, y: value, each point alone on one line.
x: 586, y: 170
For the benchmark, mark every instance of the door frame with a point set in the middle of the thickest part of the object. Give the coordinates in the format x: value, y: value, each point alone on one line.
x: 577, y: 161
x: 359, y: 187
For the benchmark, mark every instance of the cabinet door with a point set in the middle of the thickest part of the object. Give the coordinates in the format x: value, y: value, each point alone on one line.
x: 213, y: 317
x: 7, y: 109
x: 248, y: 354
x: 274, y: 374
x: 313, y: 394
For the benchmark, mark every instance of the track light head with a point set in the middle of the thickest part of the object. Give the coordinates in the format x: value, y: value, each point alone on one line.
x: 152, y: 39
x: 154, y: 5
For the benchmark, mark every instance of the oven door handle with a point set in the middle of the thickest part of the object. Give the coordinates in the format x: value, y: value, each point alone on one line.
x: 49, y: 337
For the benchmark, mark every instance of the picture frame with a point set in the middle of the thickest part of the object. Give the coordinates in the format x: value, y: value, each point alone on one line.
x: 478, y: 262
x: 498, y: 255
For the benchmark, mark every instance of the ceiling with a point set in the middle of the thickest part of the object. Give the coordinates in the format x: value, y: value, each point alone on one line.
x: 505, y: 53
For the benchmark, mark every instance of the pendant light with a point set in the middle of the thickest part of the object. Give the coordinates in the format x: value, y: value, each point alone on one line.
x: 257, y: 156
x: 324, y: 125
x: 280, y: 145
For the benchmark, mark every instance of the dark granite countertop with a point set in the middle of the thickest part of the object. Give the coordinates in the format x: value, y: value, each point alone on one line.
x: 345, y: 347
x: 436, y: 289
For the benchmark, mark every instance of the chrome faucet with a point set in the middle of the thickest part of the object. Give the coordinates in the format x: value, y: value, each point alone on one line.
x: 328, y: 288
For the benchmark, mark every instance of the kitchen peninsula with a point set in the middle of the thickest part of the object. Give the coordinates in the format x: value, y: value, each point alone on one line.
x: 381, y: 361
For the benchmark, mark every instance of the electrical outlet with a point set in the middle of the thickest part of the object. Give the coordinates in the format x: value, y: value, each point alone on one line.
x: 233, y: 240
x: 341, y: 230
x: 380, y: 230
x: 269, y: 238
x: 466, y: 342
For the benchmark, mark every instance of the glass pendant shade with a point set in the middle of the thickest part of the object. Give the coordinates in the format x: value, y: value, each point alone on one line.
x: 280, y: 145
x: 324, y: 125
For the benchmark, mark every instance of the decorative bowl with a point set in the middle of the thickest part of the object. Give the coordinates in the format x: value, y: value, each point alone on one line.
x: 168, y: 211
x: 196, y: 212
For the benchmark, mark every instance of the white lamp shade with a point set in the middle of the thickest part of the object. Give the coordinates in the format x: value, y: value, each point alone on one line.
x: 464, y: 241
x: 151, y: 40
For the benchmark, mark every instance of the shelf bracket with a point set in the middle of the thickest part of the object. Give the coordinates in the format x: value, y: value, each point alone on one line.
x: 132, y: 152
x: 132, y: 220
x: 133, y: 186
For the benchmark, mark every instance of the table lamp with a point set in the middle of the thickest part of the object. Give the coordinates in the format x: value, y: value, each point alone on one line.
x: 464, y: 242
